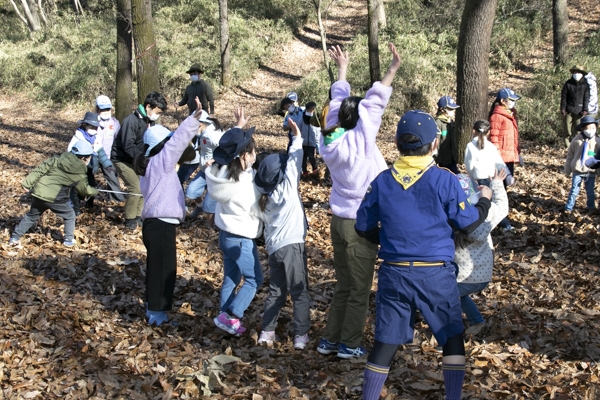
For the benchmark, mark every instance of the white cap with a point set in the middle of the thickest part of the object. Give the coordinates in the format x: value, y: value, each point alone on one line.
x: 154, y: 135
x: 204, y: 118
x: 103, y: 102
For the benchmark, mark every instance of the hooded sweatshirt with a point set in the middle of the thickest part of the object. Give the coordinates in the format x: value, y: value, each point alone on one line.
x: 237, y: 209
x: 53, y: 179
x: 476, y: 260
x: 283, y: 217
x: 163, y: 194
x: 353, y: 158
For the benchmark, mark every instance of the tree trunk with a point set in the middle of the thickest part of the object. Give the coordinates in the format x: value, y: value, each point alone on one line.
x: 124, y: 94
x: 381, y: 15
x: 42, y: 13
x: 33, y: 20
x: 225, y: 45
x: 560, y: 30
x: 323, y: 35
x: 472, y: 67
x: 146, y: 56
x: 374, y: 66
x: 21, y: 17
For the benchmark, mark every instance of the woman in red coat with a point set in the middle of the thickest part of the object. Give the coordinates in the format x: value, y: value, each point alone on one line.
x: 504, y: 133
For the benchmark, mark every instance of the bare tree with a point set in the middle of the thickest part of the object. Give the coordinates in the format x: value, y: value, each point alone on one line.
x: 374, y: 65
x: 146, y: 56
x: 472, y: 67
x: 124, y: 94
x: 30, y: 14
x: 560, y: 31
x: 381, y: 15
x: 321, y: 9
x: 225, y: 45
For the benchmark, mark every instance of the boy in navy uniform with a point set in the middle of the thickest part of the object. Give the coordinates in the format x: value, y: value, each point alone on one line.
x: 411, y: 210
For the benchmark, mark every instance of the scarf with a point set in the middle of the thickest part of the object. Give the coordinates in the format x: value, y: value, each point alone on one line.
x: 87, y: 136
x: 408, y: 170
x: 339, y: 132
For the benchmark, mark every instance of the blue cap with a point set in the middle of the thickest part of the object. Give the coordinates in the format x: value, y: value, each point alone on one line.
x: 420, y: 124
x: 90, y: 118
x: 506, y: 93
x: 447, y: 102
x: 154, y: 135
x: 270, y: 173
x: 232, y: 143
x: 82, y: 148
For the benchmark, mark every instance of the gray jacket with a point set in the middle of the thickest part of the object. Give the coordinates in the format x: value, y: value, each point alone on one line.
x: 283, y: 217
x: 308, y: 133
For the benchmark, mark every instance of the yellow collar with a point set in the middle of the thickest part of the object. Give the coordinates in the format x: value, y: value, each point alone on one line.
x: 407, y: 170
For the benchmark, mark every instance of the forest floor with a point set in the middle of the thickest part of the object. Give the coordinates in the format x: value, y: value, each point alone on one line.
x: 72, y: 320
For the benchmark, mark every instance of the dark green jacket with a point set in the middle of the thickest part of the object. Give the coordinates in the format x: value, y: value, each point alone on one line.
x: 204, y: 91
x: 448, y: 146
x: 52, y: 180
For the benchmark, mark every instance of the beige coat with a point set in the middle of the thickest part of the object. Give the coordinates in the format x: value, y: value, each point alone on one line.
x: 574, y: 162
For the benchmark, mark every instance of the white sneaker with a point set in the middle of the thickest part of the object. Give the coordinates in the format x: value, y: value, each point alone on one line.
x: 300, y: 342
x: 267, y: 337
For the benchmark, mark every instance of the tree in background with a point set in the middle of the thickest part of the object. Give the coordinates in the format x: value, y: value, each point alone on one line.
x: 373, y: 17
x: 560, y: 31
x: 321, y: 8
x: 472, y: 67
x: 124, y: 94
x: 225, y: 45
x: 31, y: 14
x: 146, y: 56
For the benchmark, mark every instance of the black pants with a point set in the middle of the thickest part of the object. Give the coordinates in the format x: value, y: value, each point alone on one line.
x: 161, y: 263
x: 112, y: 180
x: 308, y: 154
x: 76, y: 198
x: 36, y: 210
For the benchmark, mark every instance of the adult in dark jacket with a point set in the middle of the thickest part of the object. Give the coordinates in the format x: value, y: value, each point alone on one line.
x: 198, y: 88
x: 128, y: 143
x: 574, y: 100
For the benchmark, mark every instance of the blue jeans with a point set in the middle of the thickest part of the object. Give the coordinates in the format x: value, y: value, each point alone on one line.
x: 240, y: 259
x: 588, y: 181
x: 185, y: 171
x: 195, y: 190
x: 466, y: 302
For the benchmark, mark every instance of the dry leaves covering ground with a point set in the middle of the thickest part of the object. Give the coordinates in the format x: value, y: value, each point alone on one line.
x: 72, y: 326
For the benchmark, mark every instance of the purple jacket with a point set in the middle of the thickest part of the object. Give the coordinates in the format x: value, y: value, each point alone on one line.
x: 354, y: 159
x: 163, y: 194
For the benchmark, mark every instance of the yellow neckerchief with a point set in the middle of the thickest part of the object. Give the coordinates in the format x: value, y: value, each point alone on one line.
x: 407, y: 170
x: 444, y: 118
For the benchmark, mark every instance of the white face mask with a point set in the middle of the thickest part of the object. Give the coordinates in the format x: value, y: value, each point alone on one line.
x: 194, y: 78
x: 105, y: 115
x: 451, y: 113
x: 577, y: 76
x: 292, y: 108
x: 510, y: 104
x: 92, y: 132
x: 153, y: 117
x: 308, y: 114
x: 588, y: 133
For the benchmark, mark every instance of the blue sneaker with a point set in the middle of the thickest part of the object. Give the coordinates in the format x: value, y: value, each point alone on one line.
x: 346, y: 353
x: 326, y: 347
x: 13, y: 241
x: 69, y: 243
x: 156, y: 317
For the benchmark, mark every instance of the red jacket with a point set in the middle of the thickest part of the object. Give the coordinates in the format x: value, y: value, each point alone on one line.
x: 504, y: 133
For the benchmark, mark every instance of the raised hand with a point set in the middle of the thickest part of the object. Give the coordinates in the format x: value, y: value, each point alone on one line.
x: 240, y: 118
x: 198, y: 111
x: 500, y: 174
x: 340, y: 57
x: 293, y: 127
x: 395, y: 57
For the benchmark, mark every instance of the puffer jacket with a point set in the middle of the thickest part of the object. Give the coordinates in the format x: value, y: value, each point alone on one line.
x: 575, y: 162
x: 575, y: 96
x: 129, y: 141
x: 504, y: 134
x: 52, y: 180
x: 309, y: 136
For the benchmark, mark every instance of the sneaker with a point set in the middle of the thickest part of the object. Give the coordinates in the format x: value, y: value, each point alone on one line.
x: 14, y: 241
x: 326, y: 347
x: 267, y: 337
x: 156, y: 317
x: 346, y: 352
x: 508, y: 228
x: 300, y: 342
x: 229, y: 324
x: 69, y: 243
x: 139, y: 221
x: 131, y: 224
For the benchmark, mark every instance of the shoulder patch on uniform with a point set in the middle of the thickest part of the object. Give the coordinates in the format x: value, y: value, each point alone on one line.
x: 462, y: 205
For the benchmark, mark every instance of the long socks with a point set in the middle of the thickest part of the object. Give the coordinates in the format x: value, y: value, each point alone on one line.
x: 453, y: 366
x: 375, y: 376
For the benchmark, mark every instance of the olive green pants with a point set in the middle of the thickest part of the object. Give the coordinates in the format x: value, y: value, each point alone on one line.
x: 570, y: 122
x: 354, y: 262
x: 133, y: 204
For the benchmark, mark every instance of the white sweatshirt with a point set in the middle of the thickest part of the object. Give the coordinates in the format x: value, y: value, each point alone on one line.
x: 482, y: 164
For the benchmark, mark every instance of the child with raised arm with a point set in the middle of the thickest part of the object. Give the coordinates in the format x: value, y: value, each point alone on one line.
x: 163, y: 211
x: 277, y: 180
x: 349, y: 149
x: 411, y: 209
